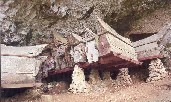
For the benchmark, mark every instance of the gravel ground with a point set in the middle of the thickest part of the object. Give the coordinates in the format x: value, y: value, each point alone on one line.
x: 159, y: 91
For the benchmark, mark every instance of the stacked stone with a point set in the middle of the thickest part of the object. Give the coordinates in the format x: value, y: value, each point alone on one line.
x: 94, y: 77
x: 106, y: 75
x: 123, y: 77
x: 78, y: 81
x: 156, y: 71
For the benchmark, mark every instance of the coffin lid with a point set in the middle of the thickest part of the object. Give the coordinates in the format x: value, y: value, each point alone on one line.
x: 27, y: 51
x: 112, y: 31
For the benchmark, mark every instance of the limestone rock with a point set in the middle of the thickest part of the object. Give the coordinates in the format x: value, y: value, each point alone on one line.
x: 78, y: 81
x: 106, y: 75
x: 123, y: 77
x: 47, y: 98
x: 79, y: 53
x: 156, y: 71
x: 94, y: 77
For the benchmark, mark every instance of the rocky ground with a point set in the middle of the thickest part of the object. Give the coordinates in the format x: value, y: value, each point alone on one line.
x: 159, y: 91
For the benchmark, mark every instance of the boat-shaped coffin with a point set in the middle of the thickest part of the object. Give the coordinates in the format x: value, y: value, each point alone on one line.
x: 153, y: 46
x: 115, y: 50
x: 20, y: 65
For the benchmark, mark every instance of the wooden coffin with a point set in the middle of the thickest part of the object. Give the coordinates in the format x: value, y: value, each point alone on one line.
x: 20, y: 69
x: 153, y: 46
x: 113, y: 44
x: 27, y: 51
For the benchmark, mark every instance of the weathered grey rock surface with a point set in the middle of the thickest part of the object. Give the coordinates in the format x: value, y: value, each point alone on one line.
x: 31, y: 22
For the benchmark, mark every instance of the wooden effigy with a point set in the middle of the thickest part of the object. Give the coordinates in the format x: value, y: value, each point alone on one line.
x: 153, y: 46
x: 114, y: 50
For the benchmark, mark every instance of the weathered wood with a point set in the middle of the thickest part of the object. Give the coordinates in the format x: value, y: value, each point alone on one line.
x: 29, y: 51
x: 148, y: 54
x: 17, y: 70
x: 108, y: 43
x: 147, y: 46
x: 114, y: 60
x: 79, y: 38
x: 153, y: 46
x: 166, y: 38
x: 151, y: 39
x: 107, y: 28
x: 111, y: 41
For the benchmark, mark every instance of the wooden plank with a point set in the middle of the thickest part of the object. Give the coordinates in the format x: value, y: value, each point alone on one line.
x: 29, y: 51
x: 103, y: 46
x: 108, y: 43
x: 164, y: 34
x: 115, y: 57
x: 147, y: 46
x: 13, y: 66
x: 58, y: 71
x: 151, y: 39
x: 148, y: 53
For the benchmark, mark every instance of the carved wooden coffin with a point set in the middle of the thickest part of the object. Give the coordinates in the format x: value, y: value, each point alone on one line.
x: 111, y: 42
x: 19, y: 70
x: 153, y: 46
x: 20, y: 65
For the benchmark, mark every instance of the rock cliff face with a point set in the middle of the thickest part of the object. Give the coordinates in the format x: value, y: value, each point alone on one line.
x: 34, y: 21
